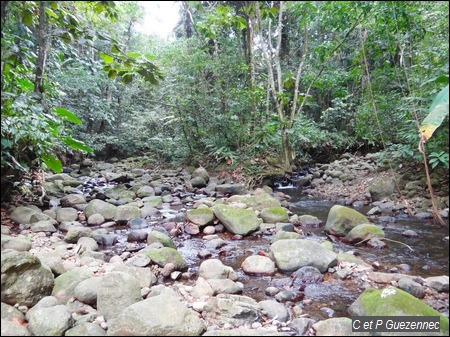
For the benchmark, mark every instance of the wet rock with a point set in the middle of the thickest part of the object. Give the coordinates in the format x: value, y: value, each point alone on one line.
x: 258, y: 265
x: 364, y: 232
x: 271, y: 291
x: 137, y: 235
x: 166, y: 255
x: 157, y: 236
x: 274, y: 215
x: 376, y: 243
x: 424, y: 215
x: 283, y: 226
x: 342, y: 219
x: 410, y: 233
x: 137, y: 223
x: 237, y: 220
x: 290, y: 255
x: 307, y: 275
x: 191, y: 229
x: 200, y: 216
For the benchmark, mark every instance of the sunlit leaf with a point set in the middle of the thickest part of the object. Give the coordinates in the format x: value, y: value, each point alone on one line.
x: 106, y: 58
x: 76, y: 144
x: 436, y: 115
x: 52, y: 162
x: 67, y: 115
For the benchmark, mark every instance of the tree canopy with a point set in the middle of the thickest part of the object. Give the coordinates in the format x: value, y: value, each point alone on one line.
x: 245, y: 83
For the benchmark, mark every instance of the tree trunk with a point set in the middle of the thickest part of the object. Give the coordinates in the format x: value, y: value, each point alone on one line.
x: 42, y: 45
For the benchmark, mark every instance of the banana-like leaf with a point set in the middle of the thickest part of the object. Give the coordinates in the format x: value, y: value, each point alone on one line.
x: 436, y: 115
x: 52, y: 162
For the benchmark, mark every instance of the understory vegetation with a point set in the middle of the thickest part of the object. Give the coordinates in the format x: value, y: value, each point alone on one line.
x: 243, y: 84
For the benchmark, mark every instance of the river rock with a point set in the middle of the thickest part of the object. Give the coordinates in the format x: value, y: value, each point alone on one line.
x: 70, y: 200
x: 225, y: 286
x: 260, y: 265
x: 438, y: 283
x: 215, y: 269
x: 22, y: 215
x: 231, y: 189
x: 364, y: 232
x: 309, y: 221
x: 65, y: 283
x: 391, y: 301
x: 274, y: 310
x: 237, y: 220
x: 236, y: 310
x: 201, y: 216
x: 342, y: 219
x: 160, y: 315
x: 290, y: 255
x: 24, y: 279
x: 382, y: 188
x: 117, y: 291
x: 107, y: 210
x: 157, y: 236
x: 257, y: 202
x: 13, y: 329
x: 201, y: 172
x: 412, y: 287
x: 17, y: 243
x: 274, y: 215
x: 52, y: 321
x: 307, y: 275
x: 126, y: 213
x: 86, y: 329
x: 165, y: 255
x: 339, y: 326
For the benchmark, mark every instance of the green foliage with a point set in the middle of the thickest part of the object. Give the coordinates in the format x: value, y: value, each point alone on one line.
x: 436, y: 115
x: 440, y: 158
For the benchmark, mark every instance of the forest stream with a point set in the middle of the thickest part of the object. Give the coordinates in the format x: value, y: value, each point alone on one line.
x: 78, y: 245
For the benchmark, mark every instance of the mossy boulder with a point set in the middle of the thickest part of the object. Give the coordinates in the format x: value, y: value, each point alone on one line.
x: 257, y: 202
x: 342, y: 220
x: 165, y: 240
x: 364, y: 232
x: 274, y: 215
x: 165, y: 255
x: 237, y: 220
x: 201, y: 216
x: 392, y: 301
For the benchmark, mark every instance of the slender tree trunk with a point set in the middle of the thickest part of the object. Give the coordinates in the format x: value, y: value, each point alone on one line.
x: 42, y: 44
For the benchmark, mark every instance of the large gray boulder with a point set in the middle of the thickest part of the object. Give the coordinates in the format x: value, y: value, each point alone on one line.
x: 201, y: 172
x: 116, y: 291
x: 382, y: 188
x: 290, y: 255
x: 237, y: 220
x: 342, y: 220
x: 52, y: 321
x: 160, y: 315
x: 24, y: 279
x: 65, y: 284
x: 22, y: 214
x: 107, y: 210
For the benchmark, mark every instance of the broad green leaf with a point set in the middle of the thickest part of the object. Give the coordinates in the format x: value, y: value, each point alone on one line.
x: 25, y: 84
x: 106, y: 58
x: 52, y: 163
x: 133, y: 55
x: 76, y: 144
x: 436, y: 115
x: 439, y: 79
x: 67, y: 115
x: 51, y: 13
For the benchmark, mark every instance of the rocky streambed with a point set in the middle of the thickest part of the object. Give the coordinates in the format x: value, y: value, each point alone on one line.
x: 117, y: 250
